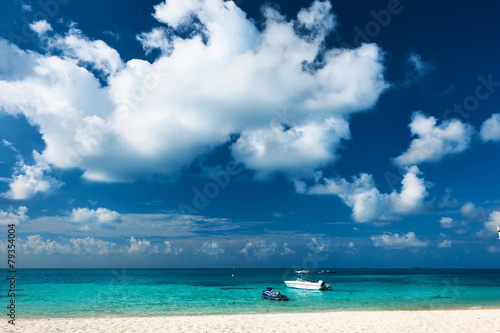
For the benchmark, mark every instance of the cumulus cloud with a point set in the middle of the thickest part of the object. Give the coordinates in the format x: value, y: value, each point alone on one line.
x: 262, y: 249
x: 169, y: 248
x: 211, y: 248
x: 99, y: 215
x: 36, y: 245
x: 28, y: 180
x: 396, y: 241
x: 141, y: 246
x: 490, y: 226
x: 470, y: 210
x: 434, y: 141
x: 457, y: 226
x: 317, y: 17
x: 317, y: 245
x: 412, y: 194
x: 41, y: 27
x: 297, y: 151
x: 15, y: 64
x: 177, y: 12
x: 446, y: 222
x: 490, y: 129
x: 367, y: 202
x: 12, y: 216
x: 286, y: 250
x: 217, y: 74
x: 99, y: 55
x: 158, y: 38
x: 92, y: 246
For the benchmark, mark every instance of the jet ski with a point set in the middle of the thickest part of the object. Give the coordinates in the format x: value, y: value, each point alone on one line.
x: 273, y: 295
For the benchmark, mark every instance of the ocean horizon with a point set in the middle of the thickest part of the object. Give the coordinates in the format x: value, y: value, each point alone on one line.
x: 143, y: 292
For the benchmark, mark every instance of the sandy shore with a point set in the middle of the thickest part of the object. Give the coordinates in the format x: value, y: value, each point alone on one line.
x: 453, y: 321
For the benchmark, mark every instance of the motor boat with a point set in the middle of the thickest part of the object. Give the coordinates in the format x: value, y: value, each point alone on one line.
x: 301, y: 283
x: 273, y: 295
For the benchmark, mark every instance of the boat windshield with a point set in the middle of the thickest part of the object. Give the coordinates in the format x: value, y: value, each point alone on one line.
x: 300, y: 276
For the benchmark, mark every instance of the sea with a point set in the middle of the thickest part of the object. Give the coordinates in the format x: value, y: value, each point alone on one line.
x: 63, y: 293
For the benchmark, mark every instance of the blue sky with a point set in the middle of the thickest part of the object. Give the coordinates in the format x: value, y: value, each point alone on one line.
x: 250, y: 133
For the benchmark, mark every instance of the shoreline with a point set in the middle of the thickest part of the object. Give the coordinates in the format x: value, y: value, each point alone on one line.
x: 471, y: 308
x: 397, y: 321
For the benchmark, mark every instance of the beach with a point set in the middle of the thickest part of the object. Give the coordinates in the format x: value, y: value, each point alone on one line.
x: 453, y: 321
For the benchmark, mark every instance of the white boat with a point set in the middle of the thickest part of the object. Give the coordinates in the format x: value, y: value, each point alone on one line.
x: 301, y: 283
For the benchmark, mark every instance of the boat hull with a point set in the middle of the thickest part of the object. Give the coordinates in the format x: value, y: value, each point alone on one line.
x: 306, y: 285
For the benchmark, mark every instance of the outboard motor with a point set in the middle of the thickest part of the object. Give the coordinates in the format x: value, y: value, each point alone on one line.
x: 325, y: 286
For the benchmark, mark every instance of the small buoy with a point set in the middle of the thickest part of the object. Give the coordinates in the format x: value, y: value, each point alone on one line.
x: 233, y: 275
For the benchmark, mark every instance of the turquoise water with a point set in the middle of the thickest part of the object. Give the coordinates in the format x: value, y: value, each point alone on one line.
x: 142, y: 292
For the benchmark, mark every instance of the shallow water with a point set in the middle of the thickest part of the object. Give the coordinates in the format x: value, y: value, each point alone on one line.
x: 156, y: 292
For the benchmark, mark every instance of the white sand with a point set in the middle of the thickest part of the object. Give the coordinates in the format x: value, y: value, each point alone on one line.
x: 453, y: 321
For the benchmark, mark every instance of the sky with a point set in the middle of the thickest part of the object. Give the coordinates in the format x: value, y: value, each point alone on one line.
x: 250, y: 134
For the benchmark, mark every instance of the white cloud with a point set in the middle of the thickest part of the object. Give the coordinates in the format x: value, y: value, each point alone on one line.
x: 13, y: 217
x: 92, y: 246
x: 413, y: 192
x: 445, y: 243
x: 177, y: 12
x: 75, y: 45
x: 15, y: 64
x: 490, y: 226
x: 89, y: 216
x: 36, y: 245
x: 40, y: 27
x: 396, y: 241
x: 169, y: 248
x: 156, y: 39
x: 221, y: 77
x: 262, y: 249
x: 490, y: 129
x: 211, y: 248
x: 434, y: 141
x: 286, y: 250
x: 317, y: 17
x: 316, y: 245
x: 296, y: 151
x: 447, y: 222
x: 367, y: 202
x: 26, y: 7
x: 141, y: 246
x: 470, y: 210
x: 28, y: 180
